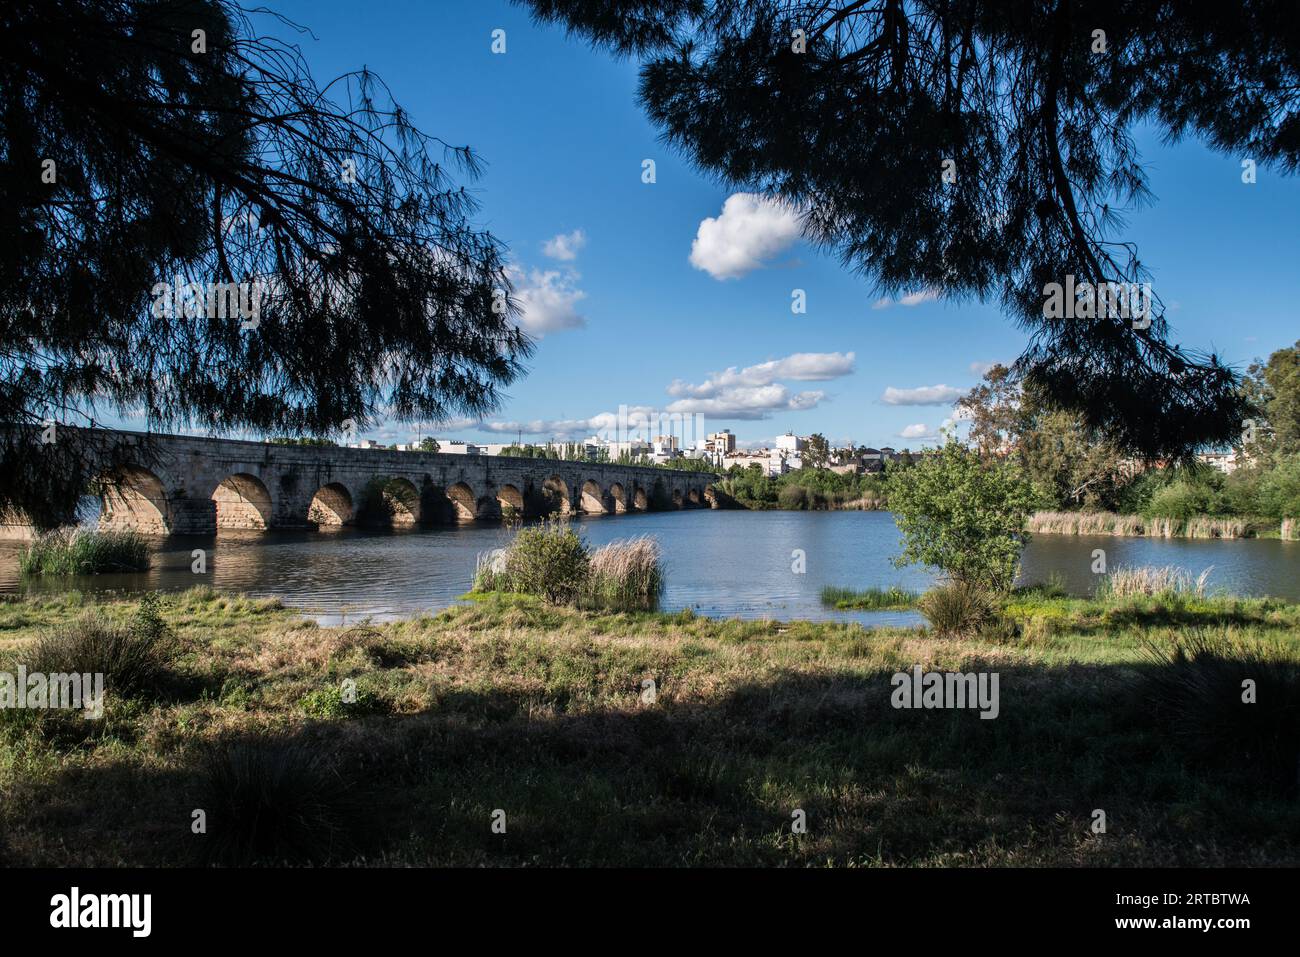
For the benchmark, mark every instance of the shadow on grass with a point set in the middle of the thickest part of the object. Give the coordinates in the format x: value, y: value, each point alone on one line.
x: 718, y: 782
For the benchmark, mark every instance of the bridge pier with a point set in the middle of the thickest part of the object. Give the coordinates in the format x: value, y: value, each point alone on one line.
x: 193, y: 516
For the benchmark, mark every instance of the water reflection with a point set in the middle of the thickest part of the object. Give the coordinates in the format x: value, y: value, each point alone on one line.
x: 739, y: 564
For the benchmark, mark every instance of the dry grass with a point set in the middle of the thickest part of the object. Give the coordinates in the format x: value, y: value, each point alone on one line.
x: 1085, y: 523
x: 626, y: 574
x: 1109, y: 523
x: 1202, y: 526
x: 1128, y: 581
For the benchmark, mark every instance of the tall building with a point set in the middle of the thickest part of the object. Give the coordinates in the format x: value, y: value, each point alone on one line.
x: 723, y: 442
x: 790, y: 443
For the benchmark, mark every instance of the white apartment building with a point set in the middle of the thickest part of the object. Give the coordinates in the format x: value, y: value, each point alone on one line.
x: 771, y: 461
x: 790, y: 443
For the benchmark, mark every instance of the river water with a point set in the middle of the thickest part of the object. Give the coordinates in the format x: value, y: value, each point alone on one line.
x: 720, y: 563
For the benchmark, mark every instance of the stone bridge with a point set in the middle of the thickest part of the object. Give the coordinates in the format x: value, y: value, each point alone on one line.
x: 192, y: 486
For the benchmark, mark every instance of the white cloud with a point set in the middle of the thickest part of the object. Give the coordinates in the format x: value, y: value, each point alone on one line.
x: 751, y: 229
x: 748, y: 402
x: 565, y: 246
x: 559, y: 428
x: 548, y: 300
x: 801, y: 367
x: 754, y: 392
x: 917, y: 431
x: 924, y: 395
x: 911, y: 299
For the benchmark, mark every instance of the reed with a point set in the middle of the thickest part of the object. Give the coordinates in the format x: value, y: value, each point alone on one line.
x: 1202, y: 526
x: 1148, y: 580
x: 870, y: 599
x: 1086, y: 523
x: 625, y: 575
x: 958, y: 609
x: 80, y: 551
x: 1109, y: 523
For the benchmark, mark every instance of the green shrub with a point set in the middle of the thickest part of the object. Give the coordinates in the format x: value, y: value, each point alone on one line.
x: 958, y: 609
x: 1279, y: 489
x: 793, y: 497
x: 549, y: 560
x: 84, y: 552
x: 329, y: 703
x: 1180, y: 500
x: 962, y: 515
x: 136, y: 658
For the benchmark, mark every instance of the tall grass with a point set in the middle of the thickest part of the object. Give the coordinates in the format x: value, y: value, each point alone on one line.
x: 81, y: 551
x: 1147, y: 580
x: 893, y: 598
x: 625, y: 575
x: 1203, y: 526
x: 1109, y: 523
x: 1084, y: 523
x: 867, y: 503
x: 134, y: 658
x: 1197, y: 694
x: 490, y: 571
x: 958, y: 609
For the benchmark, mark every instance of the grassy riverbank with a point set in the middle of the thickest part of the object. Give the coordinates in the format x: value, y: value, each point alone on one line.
x: 543, y: 713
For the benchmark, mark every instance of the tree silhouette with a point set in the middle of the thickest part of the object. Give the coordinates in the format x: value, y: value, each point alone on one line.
x: 151, y: 144
x: 981, y: 150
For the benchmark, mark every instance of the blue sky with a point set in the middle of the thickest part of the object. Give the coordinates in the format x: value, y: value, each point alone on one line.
x: 629, y: 314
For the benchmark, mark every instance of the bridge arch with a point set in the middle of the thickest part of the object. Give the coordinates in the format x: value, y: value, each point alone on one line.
x: 134, y: 498
x: 242, y: 501
x: 693, y: 496
x: 511, y: 502
x: 555, y: 492
x: 677, y: 498
x: 593, y: 499
x: 618, y: 496
x: 463, y: 502
x: 391, y: 501
x: 639, y: 500
x: 331, y: 506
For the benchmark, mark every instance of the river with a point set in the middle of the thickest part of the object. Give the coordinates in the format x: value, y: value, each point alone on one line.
x: 719, y: 563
